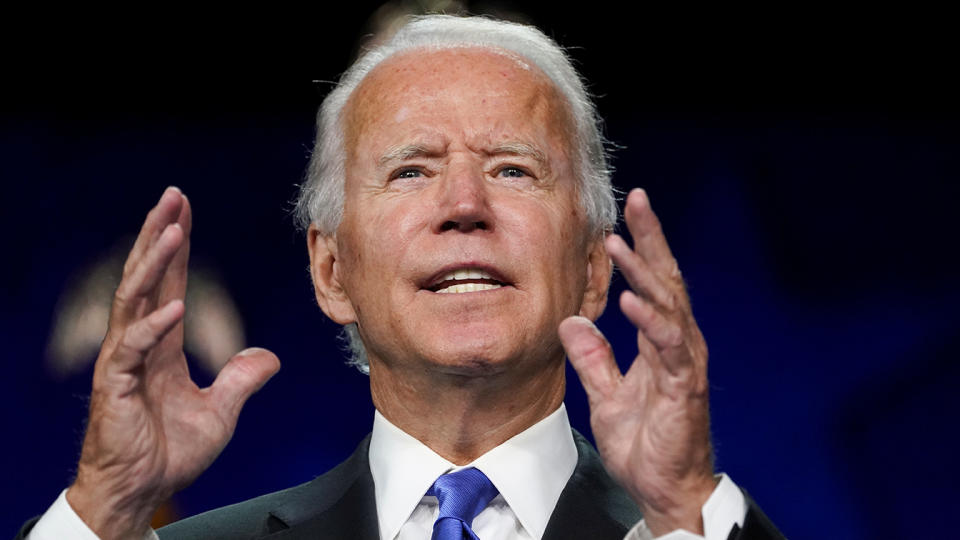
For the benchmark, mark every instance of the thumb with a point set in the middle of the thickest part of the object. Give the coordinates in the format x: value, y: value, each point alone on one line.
x: 243, y: 375
x: 591, y: 356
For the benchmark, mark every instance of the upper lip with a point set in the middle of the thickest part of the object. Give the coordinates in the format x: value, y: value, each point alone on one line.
x: 438, y: 277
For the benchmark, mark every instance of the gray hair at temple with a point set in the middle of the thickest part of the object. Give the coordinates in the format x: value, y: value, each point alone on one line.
x: 321, y: 197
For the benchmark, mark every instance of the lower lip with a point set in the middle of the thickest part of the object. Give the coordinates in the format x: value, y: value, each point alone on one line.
x: 469, y: 288
x: 453, y: 294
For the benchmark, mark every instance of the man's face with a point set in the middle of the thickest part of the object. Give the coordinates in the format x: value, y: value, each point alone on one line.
x: 462, y: 244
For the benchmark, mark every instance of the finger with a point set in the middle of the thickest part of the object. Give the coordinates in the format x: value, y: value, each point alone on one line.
x: 161, y: 215
x: 175, y: 278
x: 143, y: 280
x: 663, y: 333
x: 647, y: 357
x: 638, y: 273
x: 650, y: 365
x: 648, y: 239
x: 591, y: 356
x: 143, y: 335
x: 243, y: 375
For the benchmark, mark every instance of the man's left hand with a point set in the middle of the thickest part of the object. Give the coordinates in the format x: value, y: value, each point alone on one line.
x: 651, y: 425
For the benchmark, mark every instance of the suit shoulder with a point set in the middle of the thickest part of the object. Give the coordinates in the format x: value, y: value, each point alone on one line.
x: 756, y: 524
x: 248, y: 519
x: 272, y: 512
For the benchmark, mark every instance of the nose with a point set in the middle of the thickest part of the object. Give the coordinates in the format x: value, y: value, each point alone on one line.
x: 463, y: 201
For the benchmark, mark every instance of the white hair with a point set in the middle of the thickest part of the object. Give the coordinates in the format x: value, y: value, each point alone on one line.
x: 321, y: 197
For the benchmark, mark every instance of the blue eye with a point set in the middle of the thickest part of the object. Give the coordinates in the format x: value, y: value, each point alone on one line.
x: 512, y: 172
x: 408, y: 173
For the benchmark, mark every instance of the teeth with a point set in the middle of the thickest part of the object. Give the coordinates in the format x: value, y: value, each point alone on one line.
x: 468, y: 287
x: 466, y: 274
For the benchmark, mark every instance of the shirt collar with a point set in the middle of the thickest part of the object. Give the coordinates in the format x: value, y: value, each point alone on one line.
x: 530, y: 470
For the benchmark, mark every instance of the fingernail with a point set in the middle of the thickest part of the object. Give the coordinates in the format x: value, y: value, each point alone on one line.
x: 614, y: 242
x: 589, y: 323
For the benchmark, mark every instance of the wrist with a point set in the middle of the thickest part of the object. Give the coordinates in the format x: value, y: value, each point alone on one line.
x: 681, y: 509
x: 112, y: 509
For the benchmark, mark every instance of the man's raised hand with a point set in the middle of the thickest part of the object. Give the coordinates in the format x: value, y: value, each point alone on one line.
x: 151, y: 430
x: 652, y: 424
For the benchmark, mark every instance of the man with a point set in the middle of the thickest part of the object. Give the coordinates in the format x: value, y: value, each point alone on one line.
x: 459, y: 213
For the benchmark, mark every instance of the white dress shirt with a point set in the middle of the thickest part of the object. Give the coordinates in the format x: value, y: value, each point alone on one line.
x: 530, y: 470
x: 60, y: 522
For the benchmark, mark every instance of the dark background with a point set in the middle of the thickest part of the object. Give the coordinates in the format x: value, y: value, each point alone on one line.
x: 804, y: 165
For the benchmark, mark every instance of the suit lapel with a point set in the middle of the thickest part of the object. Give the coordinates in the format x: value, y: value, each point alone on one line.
x: 339, y: 504
x: 591, y: 505
x: 342, y: 504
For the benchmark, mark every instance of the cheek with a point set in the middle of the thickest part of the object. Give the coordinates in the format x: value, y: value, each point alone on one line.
x: 565, y: 257
x: 381, y: 239
x: 391, y: 227
x: 556, y: 218
x: 551, y: 240
x: 351, y: 267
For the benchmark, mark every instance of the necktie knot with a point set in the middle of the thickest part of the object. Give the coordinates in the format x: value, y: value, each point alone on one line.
x: 461, y: 495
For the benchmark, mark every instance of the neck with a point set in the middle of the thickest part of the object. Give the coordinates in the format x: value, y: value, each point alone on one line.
x: 463, y: 416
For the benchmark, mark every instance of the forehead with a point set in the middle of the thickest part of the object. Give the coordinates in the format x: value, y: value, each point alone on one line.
x: 480, y: 93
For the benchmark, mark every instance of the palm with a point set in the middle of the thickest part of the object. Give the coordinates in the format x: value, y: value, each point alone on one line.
x: 151, y: 429
x: 652, y: 424
x: 643, y: 433
x: 190, y: 431
x: 167, y: 429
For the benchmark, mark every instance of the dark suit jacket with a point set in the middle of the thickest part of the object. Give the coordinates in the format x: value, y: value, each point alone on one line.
x: 341, y: 505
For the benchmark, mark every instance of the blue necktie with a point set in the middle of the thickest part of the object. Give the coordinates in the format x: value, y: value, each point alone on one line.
x: 462, y: 495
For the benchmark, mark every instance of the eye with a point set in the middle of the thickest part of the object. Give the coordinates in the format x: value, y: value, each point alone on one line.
x: 512, y: 172
x: 406, y: 173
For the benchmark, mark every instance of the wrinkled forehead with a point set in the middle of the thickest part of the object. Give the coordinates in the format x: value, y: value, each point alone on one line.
x: 497, y: 77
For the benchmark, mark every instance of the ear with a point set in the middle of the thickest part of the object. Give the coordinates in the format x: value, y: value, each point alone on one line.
x: 599, y: 273
x: 325, y: 272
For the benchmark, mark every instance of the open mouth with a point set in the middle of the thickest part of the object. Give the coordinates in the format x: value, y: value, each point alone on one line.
x: 464, y: 281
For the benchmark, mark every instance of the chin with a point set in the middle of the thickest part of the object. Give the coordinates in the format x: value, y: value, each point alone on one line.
x: 472, y: 354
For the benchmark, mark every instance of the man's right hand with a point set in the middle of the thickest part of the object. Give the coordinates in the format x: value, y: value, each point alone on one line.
x: 151, y: 430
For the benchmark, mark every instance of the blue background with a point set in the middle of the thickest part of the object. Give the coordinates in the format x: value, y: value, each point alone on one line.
x: 807, y: 179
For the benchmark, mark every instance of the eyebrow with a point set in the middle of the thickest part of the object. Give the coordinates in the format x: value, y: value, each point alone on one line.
x: 407, y: 151
x: 520, y: 149
x: 517, y: 148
